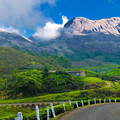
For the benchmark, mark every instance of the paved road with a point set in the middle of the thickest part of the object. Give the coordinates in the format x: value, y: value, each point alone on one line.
x: 96, y: 112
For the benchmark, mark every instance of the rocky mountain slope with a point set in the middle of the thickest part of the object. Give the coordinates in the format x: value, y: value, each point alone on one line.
x: 84, y: 26
x: 95, y: 42
x: 8, y: 39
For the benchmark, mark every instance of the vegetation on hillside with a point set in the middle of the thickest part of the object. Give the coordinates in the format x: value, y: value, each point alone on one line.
x: 11, y: 60
x: 101, y: 69
x: 113, y: 75
x: 33, y: 82
x: 60, y: 60
x: 27, y: 76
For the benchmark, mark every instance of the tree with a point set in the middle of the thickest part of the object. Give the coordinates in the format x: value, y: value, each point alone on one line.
x: 28, y: 83
x: 45, y: 73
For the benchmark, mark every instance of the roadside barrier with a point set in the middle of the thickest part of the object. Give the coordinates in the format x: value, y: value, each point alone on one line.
x: 67, y: 106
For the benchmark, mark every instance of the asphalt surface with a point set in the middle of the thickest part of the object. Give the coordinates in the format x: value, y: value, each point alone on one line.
x: 96, y: 112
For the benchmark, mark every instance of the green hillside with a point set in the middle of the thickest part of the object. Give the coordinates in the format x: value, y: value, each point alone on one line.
x: 101, y: 69
x: 11, y: 59
x: 68, y: 88
x: 115, y: 72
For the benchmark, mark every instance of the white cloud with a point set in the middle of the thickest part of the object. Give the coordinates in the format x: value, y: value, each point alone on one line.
x: 50, y: 30
x: 22, y: 13
x: 9, y: 29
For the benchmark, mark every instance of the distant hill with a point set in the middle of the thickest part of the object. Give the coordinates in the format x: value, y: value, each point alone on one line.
x: 11, y: 60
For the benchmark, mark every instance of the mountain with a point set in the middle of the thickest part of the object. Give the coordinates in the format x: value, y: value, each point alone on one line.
x: 88, y: 42
x: 84, y: 26
x: 8, y: 39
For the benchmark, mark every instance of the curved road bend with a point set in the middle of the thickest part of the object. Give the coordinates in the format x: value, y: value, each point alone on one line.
x: 95, y: 112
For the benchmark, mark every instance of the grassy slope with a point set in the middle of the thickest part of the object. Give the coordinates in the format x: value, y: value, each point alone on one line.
x: 73, y: 95
x: 115, y: 72
x: 11, y: 59
x: 92, y: 80
x: 102, y: 69
x: 9, y: 111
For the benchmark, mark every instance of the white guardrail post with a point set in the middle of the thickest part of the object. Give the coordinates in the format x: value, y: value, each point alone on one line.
x: 88, y: 102
x: 20, y: 117
x: 109, y: 100
x: 53, y: 111
x: 48, y: 113
x: 115, y: 101
x: 77, y: 104
x: 70, y: 102
x: 82, y: 103
x: 99, y: 100
x: 104, y: 100
x: 64, y: 106
x: 94, y: 101
x: 16, y: 118
x: 37, y: 112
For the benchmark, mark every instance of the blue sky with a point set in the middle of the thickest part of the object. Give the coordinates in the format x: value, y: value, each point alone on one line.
x: 92, y: 9
x: 27, y: 16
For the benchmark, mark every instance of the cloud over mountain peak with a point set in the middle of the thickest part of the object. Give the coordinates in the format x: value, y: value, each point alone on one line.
x: 50, y: 30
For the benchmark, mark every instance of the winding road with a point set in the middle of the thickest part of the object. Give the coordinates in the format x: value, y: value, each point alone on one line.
x: 95, y: 112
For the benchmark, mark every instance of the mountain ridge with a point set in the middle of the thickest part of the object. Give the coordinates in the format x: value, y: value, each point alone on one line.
x: 81, y: 26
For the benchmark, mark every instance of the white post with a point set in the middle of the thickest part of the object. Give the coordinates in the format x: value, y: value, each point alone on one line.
x: 109, y: 100
x: 37, y: 112
x: 77, y: 104
x: 64, y: 106
x: 104, y: 100
x: 88, y: 102
x: 94, y: 101
x: 99, y: 100
x: 115, y: 100
x: 48, y: 113
x: 53, y: 110
x: 70, y: 102
x: 20, y: 117
x: 16, y: 118
x: 82, y: 103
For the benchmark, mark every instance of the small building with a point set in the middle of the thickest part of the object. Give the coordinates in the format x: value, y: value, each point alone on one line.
x: 77, y: 73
